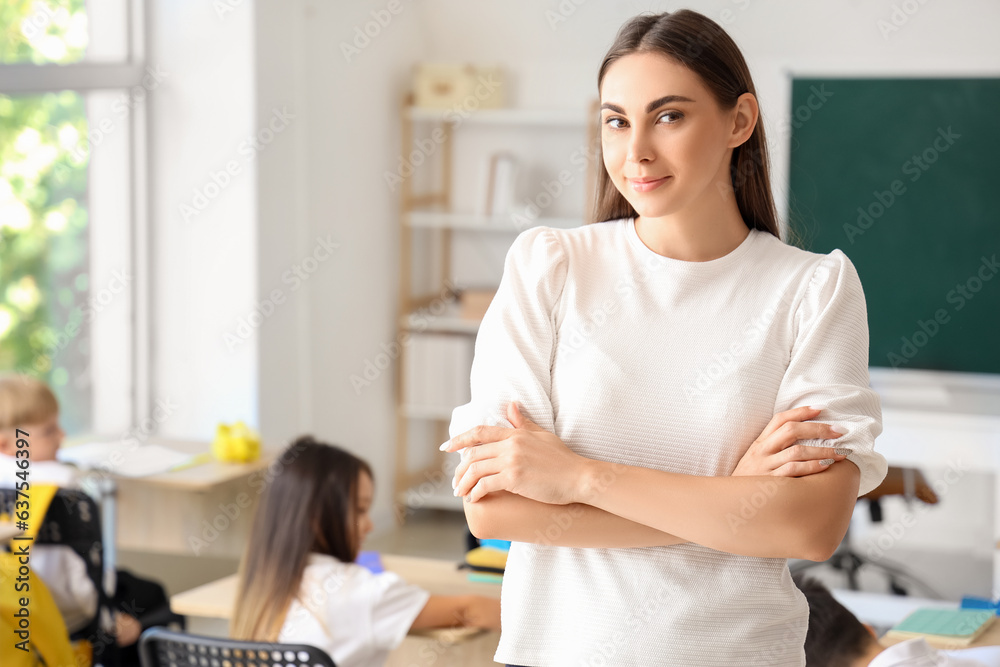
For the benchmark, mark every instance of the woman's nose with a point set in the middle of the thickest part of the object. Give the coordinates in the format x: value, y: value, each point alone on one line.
x: 639, y: 147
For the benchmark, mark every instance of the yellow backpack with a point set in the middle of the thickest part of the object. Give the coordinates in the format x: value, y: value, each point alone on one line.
x: 26, y: 601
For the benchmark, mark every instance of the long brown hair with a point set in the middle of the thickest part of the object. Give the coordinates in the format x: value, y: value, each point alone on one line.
x: 307, y: 508
x: 700, y: 44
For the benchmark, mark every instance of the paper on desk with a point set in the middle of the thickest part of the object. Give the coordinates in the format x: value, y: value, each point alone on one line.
x: 123, y: 458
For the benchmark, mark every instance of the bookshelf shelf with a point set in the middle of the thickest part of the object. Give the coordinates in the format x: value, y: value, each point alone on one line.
x: 430, y: 379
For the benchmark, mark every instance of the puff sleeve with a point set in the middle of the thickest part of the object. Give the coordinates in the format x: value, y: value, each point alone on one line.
x: 515, y: 345
x: 829, y: 365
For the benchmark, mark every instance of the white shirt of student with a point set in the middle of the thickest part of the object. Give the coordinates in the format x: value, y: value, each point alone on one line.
x: 354, y: 615
x: 918, y: 653
x: 59, y: 567
x: 650, y: 361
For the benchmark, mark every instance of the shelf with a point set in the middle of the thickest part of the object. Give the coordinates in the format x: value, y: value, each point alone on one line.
x: 569, y: 118
x: 512, y: 223
x: 449, y: 321
x: 441, y: 498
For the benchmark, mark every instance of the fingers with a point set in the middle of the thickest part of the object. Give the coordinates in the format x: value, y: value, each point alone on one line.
x: 477, y: 435
x: 802, y: 468
x: 794, y: 415
x: 487, y: 485
x: 476, y: 473
x: 473, y: 454
x: 808, y: 453
x: 791, y: 432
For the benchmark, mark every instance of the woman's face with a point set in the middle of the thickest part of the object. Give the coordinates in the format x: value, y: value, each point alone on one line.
x: 660, y: 123
x: 363, y: 524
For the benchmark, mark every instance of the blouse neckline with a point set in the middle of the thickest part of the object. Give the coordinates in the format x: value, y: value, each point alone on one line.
x: 660, y: 260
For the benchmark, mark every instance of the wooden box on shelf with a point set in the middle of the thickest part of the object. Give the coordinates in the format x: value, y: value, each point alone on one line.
x: 474, y: 302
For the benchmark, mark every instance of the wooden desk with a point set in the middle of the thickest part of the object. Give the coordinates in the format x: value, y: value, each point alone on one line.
x: 443, y: 647
x: 204, y: 509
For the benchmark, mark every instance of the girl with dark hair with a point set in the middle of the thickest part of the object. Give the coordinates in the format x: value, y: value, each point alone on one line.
x: 661, y: 463
x: 298, y: 582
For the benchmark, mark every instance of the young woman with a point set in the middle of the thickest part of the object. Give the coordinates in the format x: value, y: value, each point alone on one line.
x: 298, y: 582
x: 666, y: 360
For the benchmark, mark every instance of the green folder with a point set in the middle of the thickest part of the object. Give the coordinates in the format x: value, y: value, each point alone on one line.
x: 944, y: 622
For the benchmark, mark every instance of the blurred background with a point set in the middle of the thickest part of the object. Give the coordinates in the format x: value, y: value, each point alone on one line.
x: 292, y: 214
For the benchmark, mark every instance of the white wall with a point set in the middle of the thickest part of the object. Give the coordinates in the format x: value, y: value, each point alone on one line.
x: 323, y: 174
x: 203, y: 268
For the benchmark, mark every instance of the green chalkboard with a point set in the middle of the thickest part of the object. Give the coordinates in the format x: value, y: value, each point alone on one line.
x: 903, y: 175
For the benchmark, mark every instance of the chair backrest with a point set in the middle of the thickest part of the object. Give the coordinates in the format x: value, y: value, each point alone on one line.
x: 159, y: 647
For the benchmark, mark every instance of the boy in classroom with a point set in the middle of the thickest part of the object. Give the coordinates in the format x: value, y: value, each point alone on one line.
x: 836, y: 638
x: 28, y: 404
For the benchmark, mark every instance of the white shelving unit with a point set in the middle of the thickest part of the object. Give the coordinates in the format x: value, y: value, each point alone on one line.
x: 428, y: 314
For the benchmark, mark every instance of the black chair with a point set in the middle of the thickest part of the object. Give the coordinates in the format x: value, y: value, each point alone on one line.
x: 159, y: 647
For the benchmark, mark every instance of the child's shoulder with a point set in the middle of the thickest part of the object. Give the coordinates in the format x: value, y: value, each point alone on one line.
x: 41, y: 472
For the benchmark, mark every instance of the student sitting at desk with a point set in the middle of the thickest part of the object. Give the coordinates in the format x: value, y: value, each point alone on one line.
x: 836, y: 638
x: 298, y: 582
x: 28, y: 405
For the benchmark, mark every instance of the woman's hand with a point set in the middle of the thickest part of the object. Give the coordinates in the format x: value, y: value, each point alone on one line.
x: 526, y: 460
x: 775, y: 452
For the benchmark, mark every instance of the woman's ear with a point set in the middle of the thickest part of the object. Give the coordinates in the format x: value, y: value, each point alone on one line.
x: 7, y: 443
x: 745, y: 115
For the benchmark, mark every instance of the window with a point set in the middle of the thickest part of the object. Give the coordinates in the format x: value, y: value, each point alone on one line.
x: 72, y: 90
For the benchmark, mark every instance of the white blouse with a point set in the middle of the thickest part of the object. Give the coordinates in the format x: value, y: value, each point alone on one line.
x: 650, y: 361
x: 354, y: 615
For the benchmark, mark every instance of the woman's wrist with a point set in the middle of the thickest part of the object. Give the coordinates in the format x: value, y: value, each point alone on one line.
x: 588, y: 481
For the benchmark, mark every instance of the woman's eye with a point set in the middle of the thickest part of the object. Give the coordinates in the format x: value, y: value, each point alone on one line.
x: 672, y: 116
x: 614, y: 120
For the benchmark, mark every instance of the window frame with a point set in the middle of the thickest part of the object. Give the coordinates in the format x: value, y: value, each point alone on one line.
x: 123, y: 396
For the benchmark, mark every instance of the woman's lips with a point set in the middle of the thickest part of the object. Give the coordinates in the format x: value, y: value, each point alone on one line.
x: 646, y: 186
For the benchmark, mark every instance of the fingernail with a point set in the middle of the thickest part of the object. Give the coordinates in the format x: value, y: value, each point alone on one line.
x: 838, y: 429
x: 826, y: 462
x: 444, y: 445
x: 454, y: 484
x: 842, y: 451
x: 820, y: 406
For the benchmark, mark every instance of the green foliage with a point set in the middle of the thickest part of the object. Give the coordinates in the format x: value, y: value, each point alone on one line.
x: 43, y: 207
x: 37, y: 31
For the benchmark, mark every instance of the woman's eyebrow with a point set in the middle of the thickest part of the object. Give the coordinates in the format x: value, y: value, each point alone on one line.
x: 652, y: 106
